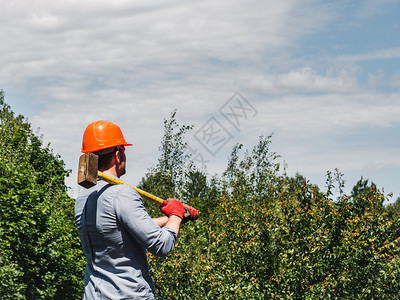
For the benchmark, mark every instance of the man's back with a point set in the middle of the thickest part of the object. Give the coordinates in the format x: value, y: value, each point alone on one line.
x: 115, y: 231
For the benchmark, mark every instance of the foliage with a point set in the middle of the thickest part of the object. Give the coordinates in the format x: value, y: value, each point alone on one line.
x: 261, y: 234
x: 165, y: 179
x: 329, y: 250
x: 40, y: 254
x: 361, y: 195
x: 394, y: 208
x: 265, y: 235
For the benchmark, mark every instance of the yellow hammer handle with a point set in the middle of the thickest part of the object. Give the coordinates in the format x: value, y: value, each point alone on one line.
x: 147, y: 195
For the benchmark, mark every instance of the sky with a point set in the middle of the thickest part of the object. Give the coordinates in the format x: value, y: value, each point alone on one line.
x: 323, y: 77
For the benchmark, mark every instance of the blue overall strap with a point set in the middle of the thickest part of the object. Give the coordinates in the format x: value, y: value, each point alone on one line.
x: 88, y: 249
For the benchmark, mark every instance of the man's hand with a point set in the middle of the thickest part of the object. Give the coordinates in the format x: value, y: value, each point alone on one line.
x: 173, y: 207
x: 190, y: 214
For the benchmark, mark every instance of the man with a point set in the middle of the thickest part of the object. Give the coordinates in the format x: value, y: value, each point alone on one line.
x: 114, y: 227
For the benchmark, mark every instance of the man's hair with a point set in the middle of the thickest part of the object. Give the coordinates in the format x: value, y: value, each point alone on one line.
x: 105, y: 160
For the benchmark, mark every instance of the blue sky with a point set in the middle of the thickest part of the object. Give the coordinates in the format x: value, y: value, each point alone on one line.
x: 323, y: 76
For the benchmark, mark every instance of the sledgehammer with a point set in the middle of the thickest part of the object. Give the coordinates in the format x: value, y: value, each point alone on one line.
x: 88, y: 173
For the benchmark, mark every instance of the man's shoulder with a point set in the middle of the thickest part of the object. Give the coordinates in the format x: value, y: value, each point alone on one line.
x: 104, y: 189
x: 123, y: 190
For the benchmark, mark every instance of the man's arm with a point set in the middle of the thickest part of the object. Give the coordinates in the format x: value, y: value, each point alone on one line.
x: 172, y: 222
x: 174, y: 210
x: 135, y: 219
x: 161, y: 221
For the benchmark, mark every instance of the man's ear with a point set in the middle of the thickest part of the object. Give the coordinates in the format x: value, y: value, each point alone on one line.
x: 118, y: 157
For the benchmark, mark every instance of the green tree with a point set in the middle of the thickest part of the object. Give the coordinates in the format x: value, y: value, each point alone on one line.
x: 394, y: 209
x: 361, y: 195
x: 270, y: 236
x: 362, y: 187
x: 40, y: 253
x: 229, y: 252
x: 176, y: 175
x: 165, y: 179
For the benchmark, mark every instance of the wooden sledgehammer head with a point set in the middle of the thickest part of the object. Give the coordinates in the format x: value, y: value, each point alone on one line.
x: 87, y: 171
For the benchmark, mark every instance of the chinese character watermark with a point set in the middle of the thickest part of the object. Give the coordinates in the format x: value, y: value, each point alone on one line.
x: 213, y: 135
x: 196, y: 156
x: 237, y: 109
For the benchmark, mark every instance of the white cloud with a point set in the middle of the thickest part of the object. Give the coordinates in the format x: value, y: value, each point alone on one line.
x: 388, y: 53
x: 325, y: 117
x: 305, y: 80
x: 376, y: 79
x: 395, y: 80
x: 133, y: 62
x: 81, y: 40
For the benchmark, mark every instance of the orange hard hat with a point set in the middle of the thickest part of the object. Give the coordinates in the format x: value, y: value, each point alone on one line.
x: 101, y: 135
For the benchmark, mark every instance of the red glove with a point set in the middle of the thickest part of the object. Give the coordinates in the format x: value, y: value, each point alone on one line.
x: 173, y: 207
x: 190, y: 214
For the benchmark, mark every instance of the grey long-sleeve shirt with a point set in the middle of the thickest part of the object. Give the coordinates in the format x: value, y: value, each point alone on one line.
x: 115, y: 232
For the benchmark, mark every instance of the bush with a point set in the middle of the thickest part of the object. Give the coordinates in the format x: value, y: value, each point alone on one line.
x: 266, y: 235
x: 40, y: 252
x: 260, y: 235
